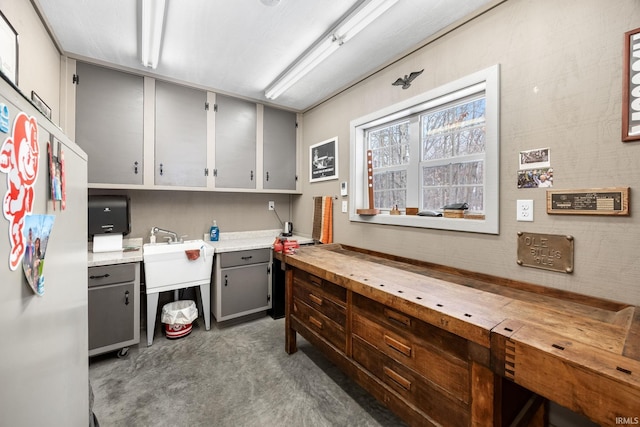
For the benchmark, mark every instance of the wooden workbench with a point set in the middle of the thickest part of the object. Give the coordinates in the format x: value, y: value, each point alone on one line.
x: 421, y: 336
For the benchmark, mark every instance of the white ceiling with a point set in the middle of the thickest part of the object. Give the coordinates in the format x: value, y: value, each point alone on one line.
x: 239, y: 47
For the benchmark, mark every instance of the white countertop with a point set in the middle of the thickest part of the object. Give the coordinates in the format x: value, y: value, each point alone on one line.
x: 245, y: 240
x: 132, y: 252
x: 229, y: 242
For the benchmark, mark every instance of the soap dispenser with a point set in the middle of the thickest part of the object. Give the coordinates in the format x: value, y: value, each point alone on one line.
x: 214, y: 232
x: 152, y: 237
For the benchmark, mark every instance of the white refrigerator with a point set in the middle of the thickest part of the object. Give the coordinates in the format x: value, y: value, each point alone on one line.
x: 44, y: 374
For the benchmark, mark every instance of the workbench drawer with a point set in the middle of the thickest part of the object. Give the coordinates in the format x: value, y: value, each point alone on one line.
x: 412, y: 328
x: 319, y: 300
x: 435, y: 364
x: 414, y: 388
x: 321, y: 324
x: 327, y: 289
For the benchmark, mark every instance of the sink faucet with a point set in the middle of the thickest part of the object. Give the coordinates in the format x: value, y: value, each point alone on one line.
x: 173, y: 237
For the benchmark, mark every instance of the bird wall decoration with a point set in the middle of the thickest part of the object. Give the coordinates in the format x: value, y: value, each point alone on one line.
x: 406, y: 82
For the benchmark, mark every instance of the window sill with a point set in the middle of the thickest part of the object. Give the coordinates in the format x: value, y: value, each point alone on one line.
x: 486, y: 226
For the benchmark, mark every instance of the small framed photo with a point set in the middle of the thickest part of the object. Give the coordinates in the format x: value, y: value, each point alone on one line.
x: 532, y: 159
x: 631, y: 87
x: 323, y: 160
x: 8, y: 50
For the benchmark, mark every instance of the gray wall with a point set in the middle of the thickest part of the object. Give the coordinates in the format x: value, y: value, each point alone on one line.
x: 192, y: 212
x: 561, y: 70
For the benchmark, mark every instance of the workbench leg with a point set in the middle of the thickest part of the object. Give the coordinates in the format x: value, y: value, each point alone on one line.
x: 152, y: 307
x: 290, y: 333
x: 482, y: 395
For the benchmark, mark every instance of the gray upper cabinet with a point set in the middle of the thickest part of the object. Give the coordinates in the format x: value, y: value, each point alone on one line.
x: 109, y: 124
x: 279, y: 149
x: 235, y: 143
x: 180, y: 136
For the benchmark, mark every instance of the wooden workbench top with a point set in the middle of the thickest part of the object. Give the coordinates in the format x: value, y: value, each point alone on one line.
x: 579, y: 351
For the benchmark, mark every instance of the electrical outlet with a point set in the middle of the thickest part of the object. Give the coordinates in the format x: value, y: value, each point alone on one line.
x: 524, y: 210
x: 272, y: 205
x: 345, y: 206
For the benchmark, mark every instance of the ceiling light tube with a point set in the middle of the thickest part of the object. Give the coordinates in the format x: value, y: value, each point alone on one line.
x: 302, y: 67
x: 344, y: 31
x: 364, y: 16
x: 153, y: 12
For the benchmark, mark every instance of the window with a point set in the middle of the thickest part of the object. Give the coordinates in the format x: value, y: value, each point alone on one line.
x: 438, y: 148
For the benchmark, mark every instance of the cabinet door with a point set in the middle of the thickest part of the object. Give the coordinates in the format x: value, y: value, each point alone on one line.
x: 235, y: 143
x: 244, y: 289
x: 111, y: 311
x: 109, y: 124
x: 181, y: 136
x: 279, y: 149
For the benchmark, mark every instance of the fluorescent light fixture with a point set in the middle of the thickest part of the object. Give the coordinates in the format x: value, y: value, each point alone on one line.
x: 322, y: 50
x: 151, y: 34
x: 343, y: 32
x: 362, y: 17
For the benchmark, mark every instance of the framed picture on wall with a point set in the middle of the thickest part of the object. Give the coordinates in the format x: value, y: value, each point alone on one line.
x: 631, y: 87
x: 323, y: 160
x: 8, y: 50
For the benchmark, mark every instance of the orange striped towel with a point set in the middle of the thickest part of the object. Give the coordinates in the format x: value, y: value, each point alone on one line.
x: 323, y: 219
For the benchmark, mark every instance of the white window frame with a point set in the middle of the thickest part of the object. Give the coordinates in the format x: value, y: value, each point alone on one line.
x: 487, y: 81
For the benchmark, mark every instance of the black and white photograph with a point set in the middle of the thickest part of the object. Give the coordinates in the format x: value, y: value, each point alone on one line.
x: 324, y: 160
x: 533, y: 159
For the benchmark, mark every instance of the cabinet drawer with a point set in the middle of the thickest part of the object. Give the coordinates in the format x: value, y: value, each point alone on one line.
x: 323, y: 304
x: 320, y: 287
x: 440, y: 368
x: 253, y: 256
x: 411, y: 386
x: 109, y: 274
x: 321, y: 324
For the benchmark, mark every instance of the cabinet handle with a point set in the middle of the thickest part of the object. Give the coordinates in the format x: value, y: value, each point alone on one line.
x: 226, y: 281
x: 135, y: 168
x: 397, y: 346
x: 315, y: 280
x: 315, y: 299
x: 317, y: 323
x: 397, y: 317
x: 267, y: 176
x: 126, y: 298
x: 103, y: 276
x: 161, y: 169
x: 246, y: 258
x: 397, y: 378
x: 251, y: 175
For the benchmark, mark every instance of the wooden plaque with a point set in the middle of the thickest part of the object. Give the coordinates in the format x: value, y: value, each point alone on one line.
x: 595, y: 201
x: 546, y: 251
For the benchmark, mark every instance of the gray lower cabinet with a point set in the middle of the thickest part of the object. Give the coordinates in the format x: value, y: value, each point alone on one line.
x: 242, y: 284
x: 114, y: 308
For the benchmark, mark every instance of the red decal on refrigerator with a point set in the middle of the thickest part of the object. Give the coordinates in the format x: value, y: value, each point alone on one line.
x: 19, y: 160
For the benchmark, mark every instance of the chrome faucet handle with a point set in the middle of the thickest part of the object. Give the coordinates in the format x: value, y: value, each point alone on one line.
x: 168, y: 238
x: 182, y: 237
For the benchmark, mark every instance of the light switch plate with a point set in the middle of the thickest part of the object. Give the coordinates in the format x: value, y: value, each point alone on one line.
x: 343, y: 188
x: 524, y: 210
x: 345, y: 206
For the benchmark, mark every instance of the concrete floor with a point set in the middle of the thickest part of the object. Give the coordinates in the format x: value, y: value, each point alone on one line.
x: 236, y: 376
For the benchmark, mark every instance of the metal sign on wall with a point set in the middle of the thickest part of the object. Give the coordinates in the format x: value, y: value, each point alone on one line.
x: 546, y: 251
